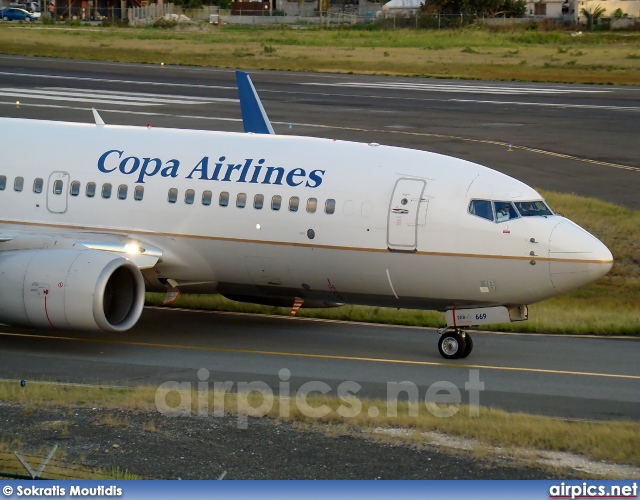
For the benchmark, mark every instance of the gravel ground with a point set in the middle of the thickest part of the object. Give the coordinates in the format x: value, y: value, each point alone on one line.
x: 153, y: 446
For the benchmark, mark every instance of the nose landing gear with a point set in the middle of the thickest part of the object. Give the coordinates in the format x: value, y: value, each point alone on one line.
x: 455, y: 343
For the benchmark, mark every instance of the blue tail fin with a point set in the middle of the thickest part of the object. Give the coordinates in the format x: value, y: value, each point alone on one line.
x: 254, y: 117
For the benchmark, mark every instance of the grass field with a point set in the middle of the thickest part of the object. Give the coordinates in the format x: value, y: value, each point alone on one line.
x: 471, y: 53
x: 617, y: 442
x: 607, y: 307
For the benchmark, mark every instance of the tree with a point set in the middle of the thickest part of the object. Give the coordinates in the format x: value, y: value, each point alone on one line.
x: 593, y: 15
x: 441, y: 6
x: 494, y: 8
x: 487, y: 8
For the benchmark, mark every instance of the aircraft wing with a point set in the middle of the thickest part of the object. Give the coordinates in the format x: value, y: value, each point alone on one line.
x: 143, y: 255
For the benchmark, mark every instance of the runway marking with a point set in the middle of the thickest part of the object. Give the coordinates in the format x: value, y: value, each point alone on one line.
x: 147, y: 83
x: 548, y: 104
x: 107, y: 97
x: 354, y: 129
x: 322, y: 356
x: 460, y: 88
x: 114, y: 80
x: 480, y: 141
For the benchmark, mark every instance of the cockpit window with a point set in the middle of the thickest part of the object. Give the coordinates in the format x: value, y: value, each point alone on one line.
x: 533, y: 208
x: 500, y: 211
x: 481, y: 208
x: 505, y: 211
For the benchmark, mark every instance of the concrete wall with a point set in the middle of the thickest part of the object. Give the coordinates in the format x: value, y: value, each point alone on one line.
x: 306, y: 9
x: 309, y: 9
x: 624, y: 24
x: 629, y: 7
x: 507, y: 21
x: 554, y: 8
x: 264, y: 20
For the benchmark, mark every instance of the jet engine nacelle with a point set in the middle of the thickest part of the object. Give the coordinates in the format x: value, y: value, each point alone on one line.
x: 70, y: 289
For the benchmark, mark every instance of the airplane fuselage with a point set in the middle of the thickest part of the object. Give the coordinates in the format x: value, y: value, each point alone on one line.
x: 235, y: 214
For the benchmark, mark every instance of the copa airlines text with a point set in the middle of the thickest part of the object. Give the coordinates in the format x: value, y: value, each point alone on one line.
x: 246, y: 172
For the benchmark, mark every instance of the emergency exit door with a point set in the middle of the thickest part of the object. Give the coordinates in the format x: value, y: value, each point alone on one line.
x: 57, y: 190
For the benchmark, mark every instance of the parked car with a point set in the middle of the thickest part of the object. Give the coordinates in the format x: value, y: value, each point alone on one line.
x: 15, y: 14
x: 32, y: 7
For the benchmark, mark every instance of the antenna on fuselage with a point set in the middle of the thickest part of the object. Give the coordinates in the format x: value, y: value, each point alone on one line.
x: 97, y: 117
x: 254, y: 117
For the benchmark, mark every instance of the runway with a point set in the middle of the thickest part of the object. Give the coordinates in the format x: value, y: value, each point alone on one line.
x: 570, y: 138
x: 582, y: 378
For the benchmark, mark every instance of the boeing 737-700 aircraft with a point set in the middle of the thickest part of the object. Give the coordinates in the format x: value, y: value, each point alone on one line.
x: 270, y: 219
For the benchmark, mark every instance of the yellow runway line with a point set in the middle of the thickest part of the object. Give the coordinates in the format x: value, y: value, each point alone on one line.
x: 323, y: 356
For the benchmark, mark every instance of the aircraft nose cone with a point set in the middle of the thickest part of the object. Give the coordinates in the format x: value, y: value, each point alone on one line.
x: 576, y: 257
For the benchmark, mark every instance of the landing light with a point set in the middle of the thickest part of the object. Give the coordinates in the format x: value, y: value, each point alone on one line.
x: 258, y: 227
x: 133, y: 249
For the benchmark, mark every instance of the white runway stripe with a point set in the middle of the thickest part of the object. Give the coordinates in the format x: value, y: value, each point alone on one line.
x: 106, y: 97
x: 130, y: 95
x: 550, y: 105
x: 112, y: 80
x: 469, y: 89
x: 56, y: 98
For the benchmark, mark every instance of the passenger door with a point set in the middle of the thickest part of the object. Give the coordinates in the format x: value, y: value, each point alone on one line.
x: 402, y: 227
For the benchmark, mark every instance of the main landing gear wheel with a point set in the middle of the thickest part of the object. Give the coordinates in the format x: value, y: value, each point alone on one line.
x: 455, y: 344
x: 452, y: 345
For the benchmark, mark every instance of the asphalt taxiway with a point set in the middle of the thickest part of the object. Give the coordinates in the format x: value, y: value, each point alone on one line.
x: 568, y: 377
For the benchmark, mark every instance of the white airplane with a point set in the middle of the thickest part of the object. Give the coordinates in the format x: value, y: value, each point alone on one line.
x: 269, y: 219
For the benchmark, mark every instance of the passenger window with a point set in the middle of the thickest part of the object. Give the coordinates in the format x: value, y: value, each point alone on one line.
x: 189, y: 196
x: 330, y: 206
x: 3, y: 182
x: 106, y: 190
x: 122, y: 191
x: 258, y: 201
x: 224, y: 199
x: 37, y: 185
x: 504, y: 211
x: 172, y: 197
x: 91, y: 189
x: 294, y: 202
x: 276, y: 202
x: 312, y: 204
x: 481, y: 208
x: 18, y: 184
x: 57, y: 187
x: 138, y: 193
x: 206, y: 198
x: 241, y: 200
x: 74, y: 190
